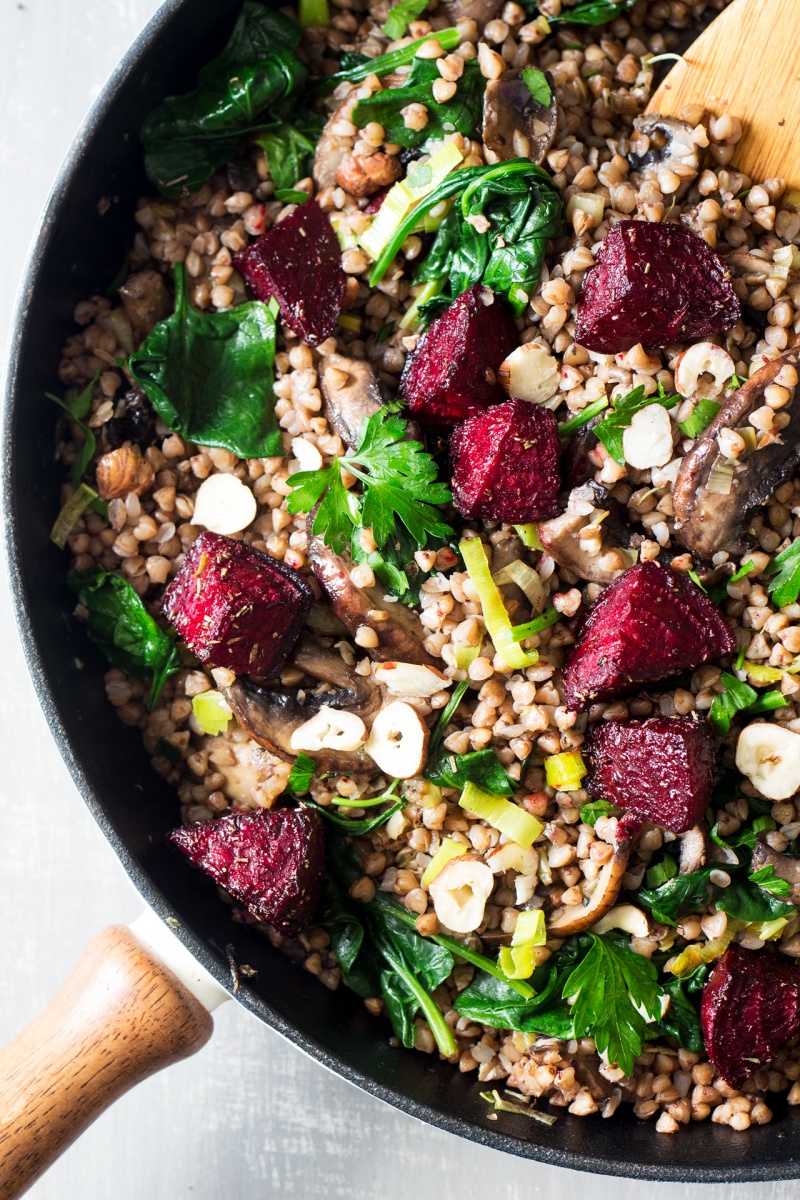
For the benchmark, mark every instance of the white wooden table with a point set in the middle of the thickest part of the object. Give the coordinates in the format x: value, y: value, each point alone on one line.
x: 250, y: 1115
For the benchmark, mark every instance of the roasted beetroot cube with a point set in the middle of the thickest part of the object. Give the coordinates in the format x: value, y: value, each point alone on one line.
x: 750, y: 1007
x: 655, y: 284
x: 299, y: 262
x: 236, y: 607
x: 505, y: 463
x: 659, y: 770
x: 650, y: 623
x: 270, y: 860
x: 452, y: 372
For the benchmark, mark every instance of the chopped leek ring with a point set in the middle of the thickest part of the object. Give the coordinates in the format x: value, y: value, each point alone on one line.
x: 768, y: 930
x: 80, y: 499
x: 564, y: 772
x: 405, y: 195
x: 530, y: 927
x: 466, y: 655
x: 314, y: 12
x: 528, y: 580
x: 448, y: 850
x: 548, y: 618
x: 529, y: 536
x: 497, y: 619
x: 517, y: 962
x: 501, y: 814
x: 212, y: 712
x: 348, y: 322
x: 761, y: 672
x: 427, y: 292
x: 694, y: 955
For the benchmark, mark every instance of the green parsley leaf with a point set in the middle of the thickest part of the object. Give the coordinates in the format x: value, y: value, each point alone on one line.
x: 720, y: 592
x: 701, y: 415
x: 784, y: 587
x: 583, y: 417
x: 769, y: 881
x: 695, y: 578
x: 301, y: 774
x: 398, y: 480
x: 737, y: 697
x: 536, y: 83
x: 617, y: 420
x: 734, y: 382
x: 164, y: 748
x: 289, y: 151
x: 591, y: 812
x: 768, y: 702
x: 611, y: 986
x: 481, y: 767
x: 662, y: 872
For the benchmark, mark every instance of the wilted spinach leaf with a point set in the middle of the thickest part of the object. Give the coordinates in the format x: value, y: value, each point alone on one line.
x: 482, y: 767
x: 121, y: 626
x: 289, y: 148
x: 462, y: 114
x: 678, y: 897
x: 592, y: 12
x: 747, y: 901
x: 591, y: 812
x: 188, y: 137
x: 523, y: 208
x: 209, y: 375
x: 682, y: 1019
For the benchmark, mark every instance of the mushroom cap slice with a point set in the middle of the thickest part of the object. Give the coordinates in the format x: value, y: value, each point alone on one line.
x: 480, y: 11
x: 663, y: 142
x: 708, y: 522
x: 352, y: 399
x: 571, y: 919
x: 271, y: 715
x: 560, y: 536
x: 694, y: 849
x: 508, y: 109
x: 400, y: 633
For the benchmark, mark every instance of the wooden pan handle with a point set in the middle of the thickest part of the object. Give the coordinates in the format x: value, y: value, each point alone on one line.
x: 120, y: 1017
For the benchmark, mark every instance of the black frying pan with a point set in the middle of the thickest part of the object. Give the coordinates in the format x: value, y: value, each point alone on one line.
x: 79, y: 252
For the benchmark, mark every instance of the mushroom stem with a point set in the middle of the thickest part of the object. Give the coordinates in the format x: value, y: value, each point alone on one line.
x: 569, y: 919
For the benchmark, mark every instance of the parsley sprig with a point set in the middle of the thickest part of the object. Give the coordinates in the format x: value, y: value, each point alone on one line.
x: 618, y: 418
x: 739, y: 697
x: 616, y: 995
x: 398, y: 483
x: 784, y: 586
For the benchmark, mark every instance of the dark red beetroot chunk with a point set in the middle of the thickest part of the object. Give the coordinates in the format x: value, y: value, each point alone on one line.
x: 236, y: 607
x: 650, y: 623
x: 270, y: 860
x: 299, y: 262
x: 659, y: 770
x: 505, y: 463
x: 750, y: 1007
x: 655, y: 284
x: 452, y: 372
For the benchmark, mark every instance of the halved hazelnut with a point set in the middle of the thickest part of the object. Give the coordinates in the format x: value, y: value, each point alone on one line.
x: 626, y: 917
x: 411, y: 679
x: 459, y: 894
x: 398, y: 742
x: 330, y: 729
x: 224, y: 504
x: 769, y: 755
x: 704, y: 358
x: 531, y: 373
x: 647, y: 442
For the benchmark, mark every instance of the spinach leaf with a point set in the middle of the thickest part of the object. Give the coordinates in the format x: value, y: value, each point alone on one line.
x: 679, y: 896
x: 77, y: 405
x: 682, y: 1019
x: 209, y: 375
x: 523, y: 208
x: 121, y: 626
x: 188, y: 137
x: 661, y: 871
x: 394, y: 564
x: 482, y: 767
x: 616, y: 996
x: 748, y: 902
x: 592, y: 12
x: 766, y: 878
x: 431, y: 962
x: 289, y: 148
x: 345, y: 929
x: 301, y: 774
x: 356, y: 67
x: 462, y: 114
x: 401, y: 15
x: 357, y: 827
x: 401, y: 1007
x: 492, y: 1001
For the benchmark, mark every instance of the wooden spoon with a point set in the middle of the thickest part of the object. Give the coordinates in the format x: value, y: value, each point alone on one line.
x: 746, y: 64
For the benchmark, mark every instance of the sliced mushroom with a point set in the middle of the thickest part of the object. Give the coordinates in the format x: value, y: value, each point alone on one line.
x: 510, y: 549
x: 663, y: 143
x: 515, y: 125
x: 398, y: 630
x: 784, y: 866
x: 709, y: 521
x: 271, y: 715
x: 250, y: 779
x: 694, y: 849
x: 560, y: 536
x: 146, y: 300
x: 352, y: 393
x: 571, y: 919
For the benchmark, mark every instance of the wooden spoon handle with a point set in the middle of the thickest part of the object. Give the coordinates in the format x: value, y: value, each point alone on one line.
x: 120, y: 1017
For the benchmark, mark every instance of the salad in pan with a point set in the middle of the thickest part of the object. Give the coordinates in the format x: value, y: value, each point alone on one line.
x: 433, y: 497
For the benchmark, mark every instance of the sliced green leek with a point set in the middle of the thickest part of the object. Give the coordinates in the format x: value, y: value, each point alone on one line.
x: 406, y: 195
x: 564, y: 772
x: 762, y: 672
x: 426, y: 292
x: 517, y: 962
x: 529, y: 536
x: 212, y: 712
x: 501, y: 814
x: 768, y: 930
x: 527, y: 579
x: 80, y: 499
x: 530, y: 927
x: 693, y: 956
x: 548, y: 618
x: 497, y: 619
x: 314, y: 12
